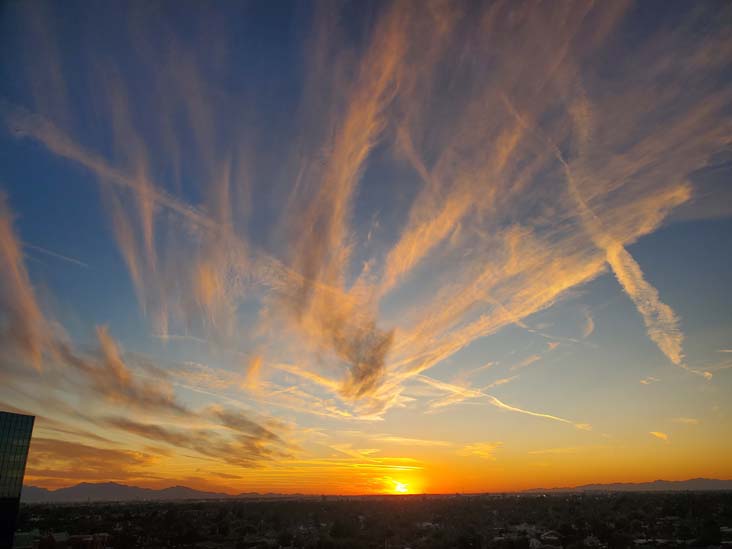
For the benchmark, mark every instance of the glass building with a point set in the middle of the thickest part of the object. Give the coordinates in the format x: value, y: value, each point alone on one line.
x: 15, y: 436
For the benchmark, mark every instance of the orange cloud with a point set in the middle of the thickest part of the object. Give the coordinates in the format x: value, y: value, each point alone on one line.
x: 24, y: 328
x: 513, y: 186
x: 686, y: 420
x: 55, y: 463
x: 648, y: 380
x: 483, y: 450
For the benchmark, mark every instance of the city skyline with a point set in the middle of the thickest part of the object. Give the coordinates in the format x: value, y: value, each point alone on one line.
x: 367, y: 248
x: 15, y: 437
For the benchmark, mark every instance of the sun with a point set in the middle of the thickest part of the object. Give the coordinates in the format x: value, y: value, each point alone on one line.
x: 407, y: 485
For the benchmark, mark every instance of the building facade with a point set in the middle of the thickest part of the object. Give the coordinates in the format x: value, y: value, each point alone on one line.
x: 15, y: 436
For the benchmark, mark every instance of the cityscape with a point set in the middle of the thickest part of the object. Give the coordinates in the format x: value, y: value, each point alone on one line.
x: 365, y: 273
x: 695, y: 513
x: 470, y: 521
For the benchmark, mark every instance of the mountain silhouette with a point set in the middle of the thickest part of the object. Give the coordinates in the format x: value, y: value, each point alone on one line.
x: 694, y: 484
x: 113, y: 491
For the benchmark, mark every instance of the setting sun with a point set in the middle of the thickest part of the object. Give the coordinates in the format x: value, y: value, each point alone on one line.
x: 366, y: 249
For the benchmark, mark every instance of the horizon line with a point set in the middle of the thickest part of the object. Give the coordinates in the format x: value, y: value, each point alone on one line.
x: 390, y: 494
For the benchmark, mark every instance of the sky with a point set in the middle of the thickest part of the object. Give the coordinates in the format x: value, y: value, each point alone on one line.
x: 367, y: 247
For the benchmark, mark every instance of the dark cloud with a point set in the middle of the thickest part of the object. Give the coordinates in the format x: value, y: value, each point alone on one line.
x: 245, y: 426
x: 250, y: 445
x: 110, y: 378
x: 365, y: 349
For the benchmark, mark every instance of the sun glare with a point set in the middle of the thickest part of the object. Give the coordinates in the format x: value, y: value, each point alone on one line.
x: 400, y: 488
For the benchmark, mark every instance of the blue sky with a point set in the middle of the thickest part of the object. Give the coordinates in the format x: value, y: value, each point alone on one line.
x: 399, y: 239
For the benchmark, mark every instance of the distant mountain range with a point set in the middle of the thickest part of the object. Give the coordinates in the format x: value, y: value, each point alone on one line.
x: 694, y: 484
x: 113, y: 491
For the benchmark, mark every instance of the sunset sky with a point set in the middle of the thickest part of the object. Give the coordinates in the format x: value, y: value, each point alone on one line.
x: 359, y: 247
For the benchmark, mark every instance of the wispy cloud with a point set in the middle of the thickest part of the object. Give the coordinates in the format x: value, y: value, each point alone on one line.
x: 55, y: 255
x: 686, y: 420
x: 104, y: 374
x: 56, y: 462
x: 493, y: 400
x: 409, y: 441
x: 483, y: 450
x: 589, y: 325
x: 659, y: 435
x: 565, y: 450
x: 481, y: 368
x: 247, y: 446
x: 24, y: 329
x: 555, y: 451
x: 498, y: 192
x: 661, y: 321
x: 386, y: 93
x: 526, y: 362
x: 648, y: 380
x: 178, y: 337
x: 457, y: 394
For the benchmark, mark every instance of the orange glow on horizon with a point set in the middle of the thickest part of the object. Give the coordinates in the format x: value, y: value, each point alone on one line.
x: 344, y: 277
x: 401, y: 486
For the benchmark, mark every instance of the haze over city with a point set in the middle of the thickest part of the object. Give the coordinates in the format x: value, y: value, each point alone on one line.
x: 367, y: 247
